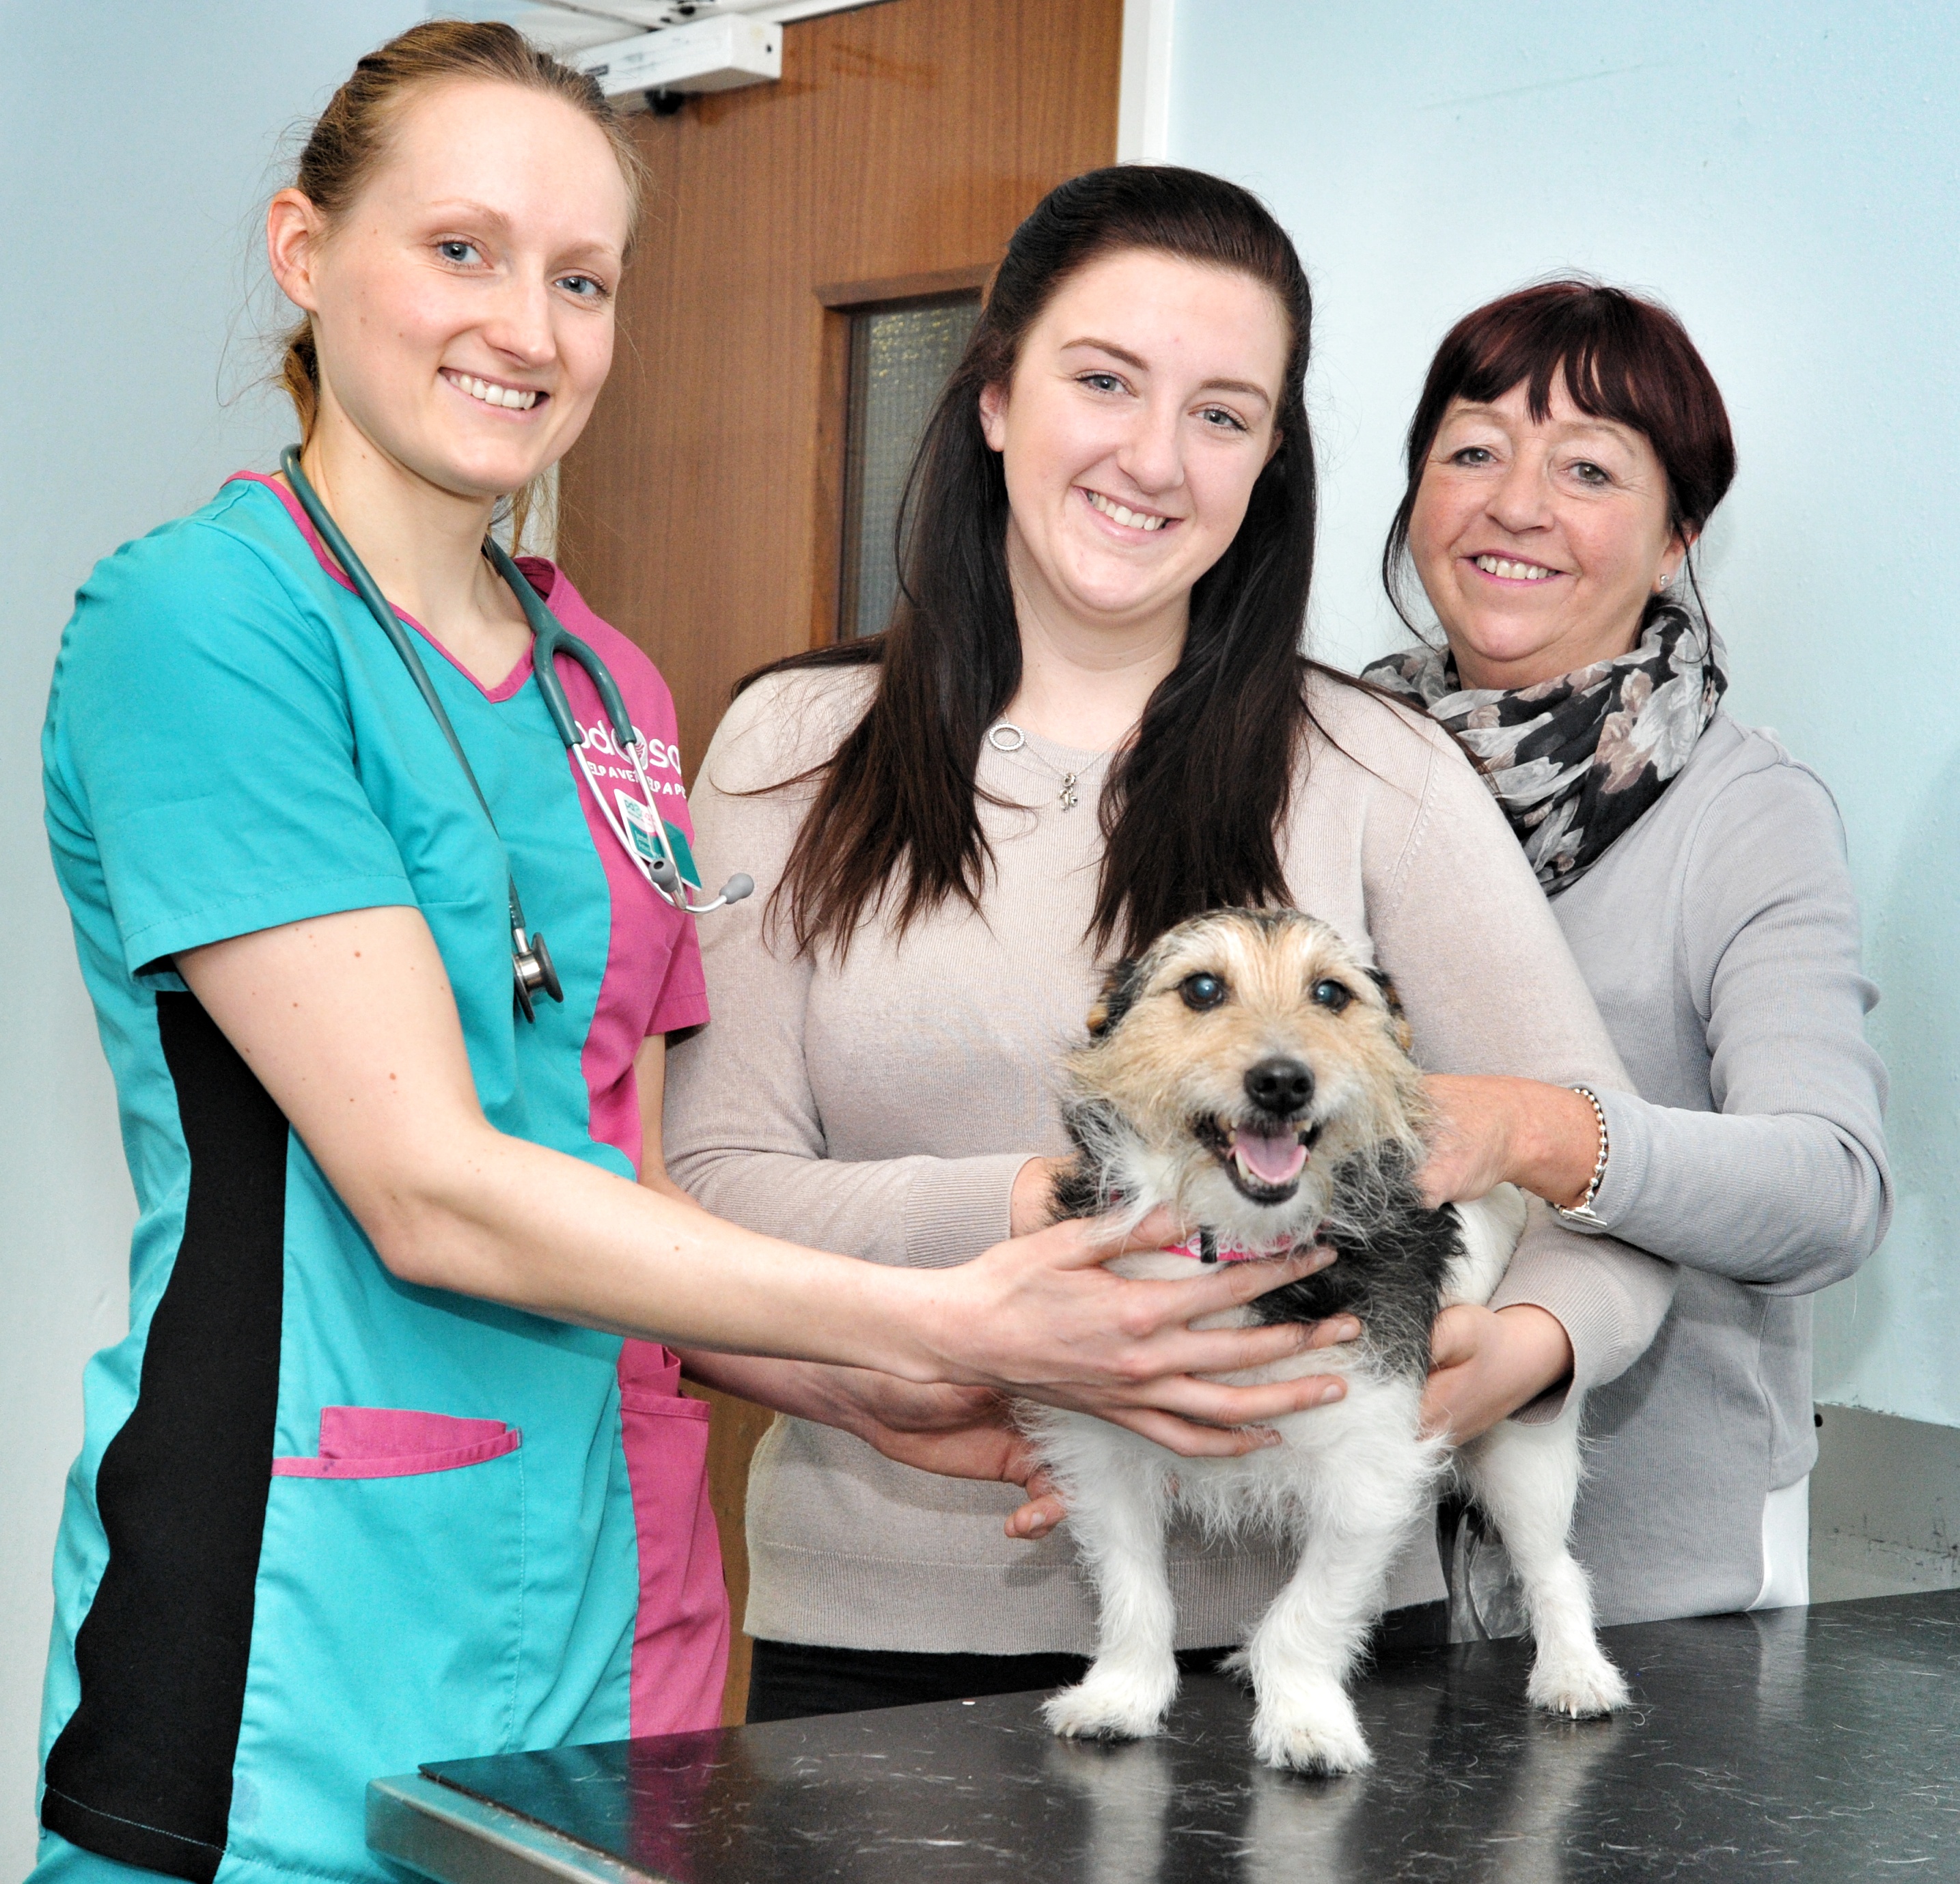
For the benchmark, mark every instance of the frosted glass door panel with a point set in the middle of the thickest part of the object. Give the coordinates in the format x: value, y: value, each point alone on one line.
x: 901, y: 358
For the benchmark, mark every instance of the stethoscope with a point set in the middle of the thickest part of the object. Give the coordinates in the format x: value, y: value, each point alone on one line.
x: 637, y: 826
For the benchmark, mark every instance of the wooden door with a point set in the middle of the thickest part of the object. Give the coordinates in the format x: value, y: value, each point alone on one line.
x: 702, y: 512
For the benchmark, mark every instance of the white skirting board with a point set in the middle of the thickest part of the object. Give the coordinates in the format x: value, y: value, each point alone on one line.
x: 1885, y: 1505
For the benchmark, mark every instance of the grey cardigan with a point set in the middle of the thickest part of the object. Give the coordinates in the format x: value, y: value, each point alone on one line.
x: 1721, y: 938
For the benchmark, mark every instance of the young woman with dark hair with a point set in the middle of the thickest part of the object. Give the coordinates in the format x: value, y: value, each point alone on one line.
x: 1567, y: 451
x: 1089, y: 717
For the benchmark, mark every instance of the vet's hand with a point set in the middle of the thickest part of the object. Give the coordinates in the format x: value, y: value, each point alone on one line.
x: 1485, y: 1131
x: 1485, y: 1364
x: 1040, y: 1317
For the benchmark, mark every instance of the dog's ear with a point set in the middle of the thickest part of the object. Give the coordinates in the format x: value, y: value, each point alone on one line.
x: 1121, y: 986
x: 1404, y: 1037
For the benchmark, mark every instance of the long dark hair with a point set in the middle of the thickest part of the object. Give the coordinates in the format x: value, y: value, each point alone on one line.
x: 1190, y: 809
x: 1623, y: 358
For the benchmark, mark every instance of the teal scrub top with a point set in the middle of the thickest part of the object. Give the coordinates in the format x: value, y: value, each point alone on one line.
x: 325, y: 1525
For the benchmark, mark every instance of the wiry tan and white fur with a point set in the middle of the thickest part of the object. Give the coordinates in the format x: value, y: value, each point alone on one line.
x: 1160, y: 1102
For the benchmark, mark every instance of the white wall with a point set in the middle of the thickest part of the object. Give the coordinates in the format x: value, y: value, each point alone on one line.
x: 127, y: 225
x: 1782, y: 172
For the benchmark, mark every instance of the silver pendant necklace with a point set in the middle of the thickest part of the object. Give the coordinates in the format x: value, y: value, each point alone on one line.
x: 1005, y: 737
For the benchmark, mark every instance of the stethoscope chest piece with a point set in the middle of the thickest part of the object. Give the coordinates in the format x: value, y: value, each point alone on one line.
x: 531, y: 967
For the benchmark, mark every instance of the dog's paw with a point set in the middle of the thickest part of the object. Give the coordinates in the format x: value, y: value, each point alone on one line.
x: 1322, y: 1735
x: 1111, y: 1706
x: 1580, y: 1682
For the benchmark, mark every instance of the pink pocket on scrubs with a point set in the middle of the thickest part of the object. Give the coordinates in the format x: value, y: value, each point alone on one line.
x: 680, y: 1641
x: 383, y: 1442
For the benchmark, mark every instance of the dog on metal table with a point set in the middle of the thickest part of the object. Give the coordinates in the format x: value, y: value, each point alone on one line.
x: 1250, y: 1070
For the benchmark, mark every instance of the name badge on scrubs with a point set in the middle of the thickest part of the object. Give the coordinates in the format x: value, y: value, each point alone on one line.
x: 653, y: 839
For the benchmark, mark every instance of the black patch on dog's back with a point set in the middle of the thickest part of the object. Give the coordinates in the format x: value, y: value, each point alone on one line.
x: 1392, y: 1253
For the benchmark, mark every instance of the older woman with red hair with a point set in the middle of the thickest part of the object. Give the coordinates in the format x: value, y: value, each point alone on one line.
x: 1567, y: 451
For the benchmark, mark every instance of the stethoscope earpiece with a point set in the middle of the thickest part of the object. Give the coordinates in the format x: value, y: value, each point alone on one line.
x: 740, y: 885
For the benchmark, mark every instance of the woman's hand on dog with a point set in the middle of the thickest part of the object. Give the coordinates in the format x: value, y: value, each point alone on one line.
x: 1041, y: 1318
x: 957, y: 1432
x: 1485, y: 1364
x: 1487, y: 1130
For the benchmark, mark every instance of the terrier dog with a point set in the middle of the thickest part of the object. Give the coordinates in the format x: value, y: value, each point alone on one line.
x: 1250, y: 1070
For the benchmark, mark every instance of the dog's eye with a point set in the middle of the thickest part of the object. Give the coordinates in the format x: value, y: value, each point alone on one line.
x: 1331, y: 996
x: 1202, y: 991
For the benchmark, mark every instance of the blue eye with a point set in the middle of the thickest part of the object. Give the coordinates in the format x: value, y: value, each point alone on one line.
x: 1331, y: 995
x: 1202, y: 991
x: 460, y: 252
x: 1217, y: 417
x: 1101, y: 382
x: 583, y: 286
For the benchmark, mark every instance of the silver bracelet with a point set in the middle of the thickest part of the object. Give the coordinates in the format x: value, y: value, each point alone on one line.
x: 1583, y: 1212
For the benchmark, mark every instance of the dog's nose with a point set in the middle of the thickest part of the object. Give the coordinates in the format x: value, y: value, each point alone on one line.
x: 1280, y: 1085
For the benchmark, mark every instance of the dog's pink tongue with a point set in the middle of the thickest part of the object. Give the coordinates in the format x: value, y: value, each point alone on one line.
x: 1270, y: 1160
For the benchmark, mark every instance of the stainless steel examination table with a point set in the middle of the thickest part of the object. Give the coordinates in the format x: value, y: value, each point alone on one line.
x: 1821, y: 1744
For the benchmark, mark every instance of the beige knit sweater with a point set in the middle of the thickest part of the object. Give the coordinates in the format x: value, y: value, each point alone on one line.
x: 882, y: 1105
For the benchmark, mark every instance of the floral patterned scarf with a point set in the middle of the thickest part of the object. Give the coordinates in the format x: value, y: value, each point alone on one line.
x: 1575, y: 762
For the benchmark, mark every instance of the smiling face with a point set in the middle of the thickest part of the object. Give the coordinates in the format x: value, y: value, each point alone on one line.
x: 462, y: 305
x: 1539, y: 541
x: 1139, y: 417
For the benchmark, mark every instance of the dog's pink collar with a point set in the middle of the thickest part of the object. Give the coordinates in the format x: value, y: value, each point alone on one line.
x: 1205, y: 1247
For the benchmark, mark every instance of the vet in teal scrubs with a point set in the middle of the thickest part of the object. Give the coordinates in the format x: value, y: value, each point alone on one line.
x: 326, y: 1525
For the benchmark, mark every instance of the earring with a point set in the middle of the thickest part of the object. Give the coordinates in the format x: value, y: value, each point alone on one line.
x: 1662, y: 582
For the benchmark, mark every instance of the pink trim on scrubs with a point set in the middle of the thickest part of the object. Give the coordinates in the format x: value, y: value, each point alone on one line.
x: 633, y: 1005
x: 681, y: 1634
x: 680, y: 1639
x: 384, y: 1442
